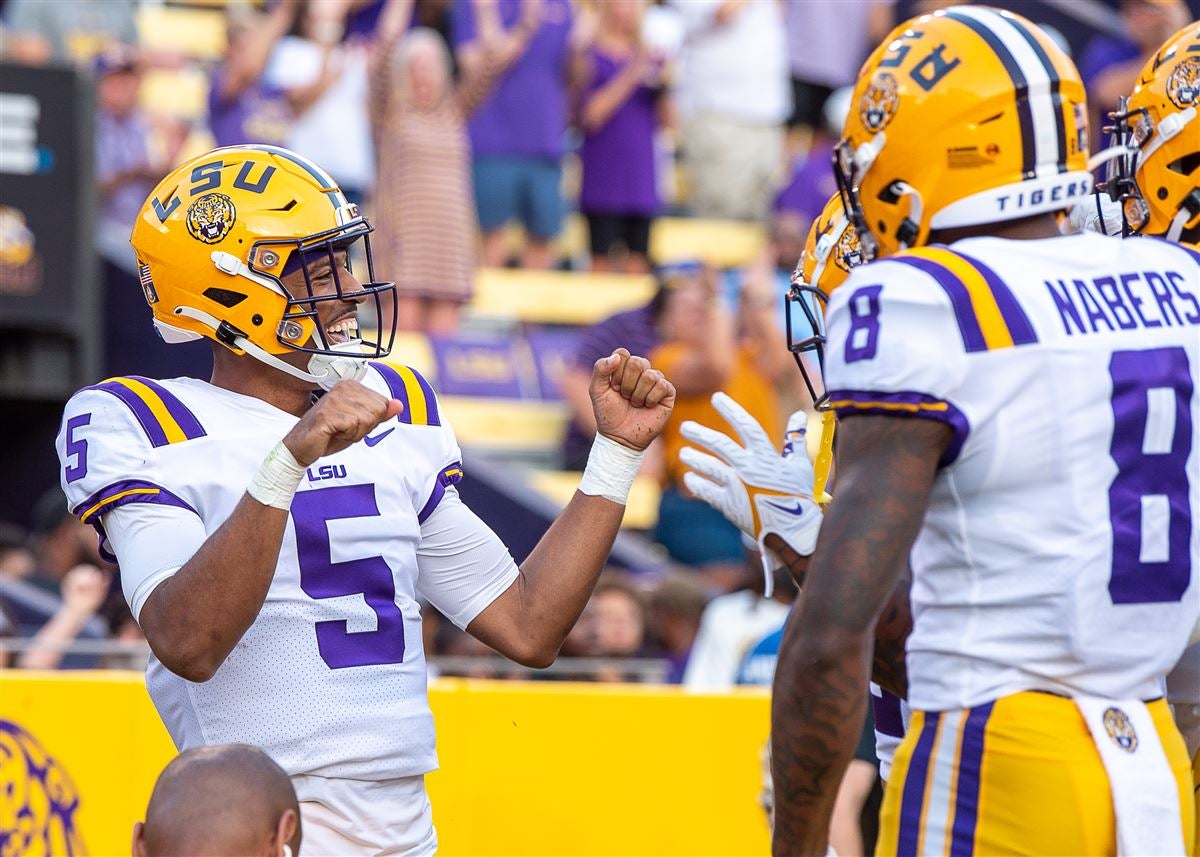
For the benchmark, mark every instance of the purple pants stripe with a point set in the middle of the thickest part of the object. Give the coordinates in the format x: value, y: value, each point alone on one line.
x: 1019, y: 326
x: 145, y: 417
x: 960, y: 299
x: 912, y: 799
x: 178, y: 410
x: 396, y: 386
x: 966, y: 802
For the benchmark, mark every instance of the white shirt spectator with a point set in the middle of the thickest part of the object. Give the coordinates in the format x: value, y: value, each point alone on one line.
x: 730, y: 625
x: 737, y: 69
x: 335, y: 131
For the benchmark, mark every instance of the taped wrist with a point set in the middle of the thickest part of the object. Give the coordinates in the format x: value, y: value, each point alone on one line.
x: 610, y: 470
x: 278, y: 478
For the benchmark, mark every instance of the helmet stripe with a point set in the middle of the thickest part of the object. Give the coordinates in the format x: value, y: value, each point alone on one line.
x: 1024, y: 116
x: 1041, y: 94
x: 1055, y: 88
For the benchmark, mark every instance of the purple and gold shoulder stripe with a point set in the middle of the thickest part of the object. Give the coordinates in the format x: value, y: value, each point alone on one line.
x: 905, y: 403
x: 413, y: 391
x: 160, y: 413
x: 988, y: 314
x: 451, y: 474
x: 122, y: 493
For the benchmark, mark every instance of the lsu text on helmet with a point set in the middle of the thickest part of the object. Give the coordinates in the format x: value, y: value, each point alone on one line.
x: 216, y: 239
x: 832, y: 249
x: 1158, y: 181
x: 968, y: 116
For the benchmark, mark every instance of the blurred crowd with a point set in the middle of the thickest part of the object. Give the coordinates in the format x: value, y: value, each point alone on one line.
x: 454, y: 123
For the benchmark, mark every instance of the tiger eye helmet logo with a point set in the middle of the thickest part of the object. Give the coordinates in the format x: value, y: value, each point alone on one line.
x: 210, y: 217
x: 879, y: 102
x: 1183, y: 86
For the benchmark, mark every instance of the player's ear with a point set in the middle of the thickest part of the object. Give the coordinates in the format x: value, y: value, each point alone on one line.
x: 139, y: 839
x: 282, y: 842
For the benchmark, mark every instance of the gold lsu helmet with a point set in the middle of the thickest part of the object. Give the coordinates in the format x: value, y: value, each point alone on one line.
x: 970, y: 115
x: 833, y: 248
x: 1158, y: 181
x: 215, y: 239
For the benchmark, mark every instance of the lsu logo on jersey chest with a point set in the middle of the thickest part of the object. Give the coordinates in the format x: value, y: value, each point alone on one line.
x: 325, y: 472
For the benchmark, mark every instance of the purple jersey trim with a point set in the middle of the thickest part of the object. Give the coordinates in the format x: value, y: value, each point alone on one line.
x: 889, y: 720
x: 960, y: 299
x: 1019, y: 326
x: 906, y: 404
x: 124, y: 492
x: 395, y: 385
x: 145, y: 417
x: 451, y: 474
x: 177, y: 409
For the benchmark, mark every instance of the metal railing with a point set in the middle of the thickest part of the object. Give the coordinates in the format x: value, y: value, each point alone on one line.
x: 121, y: 654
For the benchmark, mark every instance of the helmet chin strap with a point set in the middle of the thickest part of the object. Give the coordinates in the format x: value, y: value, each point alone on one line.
x: 326, y: 369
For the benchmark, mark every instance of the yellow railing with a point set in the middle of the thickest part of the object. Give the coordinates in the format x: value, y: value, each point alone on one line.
x: 531, y: 768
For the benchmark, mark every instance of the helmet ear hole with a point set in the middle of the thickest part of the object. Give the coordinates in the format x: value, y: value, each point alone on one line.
x: 225, y: 297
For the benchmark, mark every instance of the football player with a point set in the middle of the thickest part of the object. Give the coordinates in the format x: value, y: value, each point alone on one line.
x: 1158, y: 187
x: 1016, y: 412
x: 831, y: 251
x: 276, y: 525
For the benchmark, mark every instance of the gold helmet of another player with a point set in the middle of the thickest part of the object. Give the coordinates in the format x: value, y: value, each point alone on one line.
x: 1158, y: 182
x: 832, y: 249
x: 965, y: 117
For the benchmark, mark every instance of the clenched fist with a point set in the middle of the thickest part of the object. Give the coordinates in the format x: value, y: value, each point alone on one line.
x: 344, y: 415
x: 631, y: 400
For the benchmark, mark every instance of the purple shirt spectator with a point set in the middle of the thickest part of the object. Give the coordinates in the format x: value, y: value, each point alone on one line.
x: 527, y: 114
x: 636, y: 330
x: 618, y: 159
x: 811, y: 184
x: 260, y: 114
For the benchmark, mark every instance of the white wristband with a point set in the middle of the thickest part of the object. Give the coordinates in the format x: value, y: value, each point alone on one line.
x: 610, y: 470
x: 278, y: 478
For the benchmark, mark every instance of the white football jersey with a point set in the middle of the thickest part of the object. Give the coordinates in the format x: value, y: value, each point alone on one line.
x: 1059, y: 548
x: 330, y: 679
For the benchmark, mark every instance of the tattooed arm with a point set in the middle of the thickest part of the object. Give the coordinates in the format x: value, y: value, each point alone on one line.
x: 886, y: 471
x: 891, y: 631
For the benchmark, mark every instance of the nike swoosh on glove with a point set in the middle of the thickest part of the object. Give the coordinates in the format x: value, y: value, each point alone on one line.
x: 758, y: 489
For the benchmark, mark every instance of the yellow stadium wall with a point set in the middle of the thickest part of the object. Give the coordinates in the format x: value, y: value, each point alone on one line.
x: 527, y: 768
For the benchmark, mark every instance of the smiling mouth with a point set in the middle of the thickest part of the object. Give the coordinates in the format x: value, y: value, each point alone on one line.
x: 343, y: 330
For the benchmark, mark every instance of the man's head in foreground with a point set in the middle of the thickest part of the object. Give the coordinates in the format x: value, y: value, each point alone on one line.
x: 222, y: 800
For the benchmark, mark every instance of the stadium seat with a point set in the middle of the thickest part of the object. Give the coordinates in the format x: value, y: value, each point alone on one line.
x: 196, y: 33
x: 506, y: 425
x: 556, y: 297
x: 641, y: 512
x: 720, y: 243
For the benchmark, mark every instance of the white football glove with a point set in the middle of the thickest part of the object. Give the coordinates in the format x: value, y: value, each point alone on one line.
x: 758, y: 489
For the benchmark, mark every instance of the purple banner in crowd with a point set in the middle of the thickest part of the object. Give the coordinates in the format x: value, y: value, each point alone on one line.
x: 553, y: 349
x: 482, y: 367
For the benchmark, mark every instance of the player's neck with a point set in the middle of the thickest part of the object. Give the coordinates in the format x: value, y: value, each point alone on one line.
x: 1025, y: 229
x: 245, y: 375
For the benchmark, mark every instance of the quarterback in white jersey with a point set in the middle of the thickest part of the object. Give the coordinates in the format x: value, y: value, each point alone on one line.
x: 275, y: 526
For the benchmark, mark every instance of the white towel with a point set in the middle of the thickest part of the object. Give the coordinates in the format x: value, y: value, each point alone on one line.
x: 1145, y: 796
